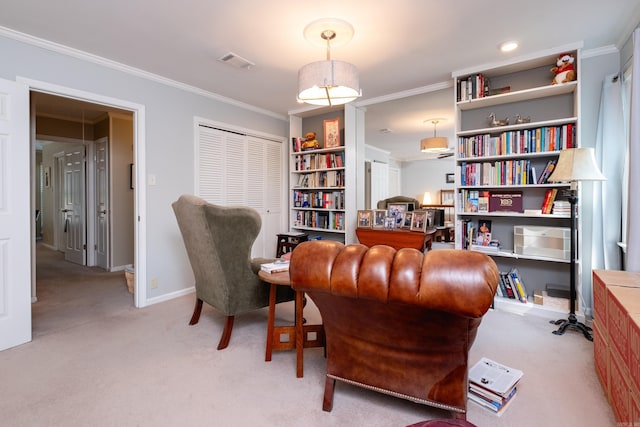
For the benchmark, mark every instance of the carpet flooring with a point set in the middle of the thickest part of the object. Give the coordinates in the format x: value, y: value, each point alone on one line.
x: 96, y: 360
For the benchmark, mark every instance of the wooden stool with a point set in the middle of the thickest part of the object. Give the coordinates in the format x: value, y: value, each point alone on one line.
x: 288, y: 241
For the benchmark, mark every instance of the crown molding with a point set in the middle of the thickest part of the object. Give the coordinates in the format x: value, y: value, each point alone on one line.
x: 85, y: 56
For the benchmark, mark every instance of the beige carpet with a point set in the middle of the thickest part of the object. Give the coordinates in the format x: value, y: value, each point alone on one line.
x: 95, y: 360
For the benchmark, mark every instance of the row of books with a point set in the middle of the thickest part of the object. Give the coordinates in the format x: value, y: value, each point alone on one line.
x: 491, y: 201
x: 493, y: 385
x: 504, y: 172
x: 318, y: 199
x: 474, y: 86
x: 478, y: 236
x: 322, y: 219
x: 331, y: 178
x: 319, y: 161
x: 537, y: 140
x: 511, y: 286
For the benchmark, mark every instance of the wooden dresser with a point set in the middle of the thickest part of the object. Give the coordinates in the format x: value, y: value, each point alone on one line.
x: 616, y: 341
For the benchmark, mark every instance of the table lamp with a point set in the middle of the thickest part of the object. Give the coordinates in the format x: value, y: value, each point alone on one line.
x: 574, y: 165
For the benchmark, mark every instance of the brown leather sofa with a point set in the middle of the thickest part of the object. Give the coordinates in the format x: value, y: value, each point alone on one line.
x: 398, y: 322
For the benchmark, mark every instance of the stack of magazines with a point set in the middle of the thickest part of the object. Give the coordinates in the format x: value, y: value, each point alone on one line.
x: 278, y: 266
x: 493, y: 385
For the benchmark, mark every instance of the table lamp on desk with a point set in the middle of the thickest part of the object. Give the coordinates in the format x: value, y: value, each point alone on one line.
x: 574, y: 165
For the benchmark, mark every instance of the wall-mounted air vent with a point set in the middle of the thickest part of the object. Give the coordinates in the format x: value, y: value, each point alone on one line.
x: 236, y: 61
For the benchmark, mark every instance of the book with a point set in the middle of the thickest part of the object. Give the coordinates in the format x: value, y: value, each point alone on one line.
x: 497, y: 407
x: 484, y: 232
x: 505, y: 201
x: 504, y: 280
x: 519, y: 285
x: 277, y: 266
x: 483, y: 201
x: 494, y: 377
x: 548, y: 170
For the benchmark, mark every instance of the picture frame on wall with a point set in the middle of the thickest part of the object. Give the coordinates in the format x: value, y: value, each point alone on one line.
x: 47, y: 177
x: 331, y: 128
x: 450, y: 178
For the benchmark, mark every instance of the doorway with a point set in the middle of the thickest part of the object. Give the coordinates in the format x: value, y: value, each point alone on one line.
x: 74, y: 139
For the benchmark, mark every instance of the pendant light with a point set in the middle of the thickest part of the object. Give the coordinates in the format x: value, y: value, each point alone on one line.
x: 328, y: 82
x: 434, y: 144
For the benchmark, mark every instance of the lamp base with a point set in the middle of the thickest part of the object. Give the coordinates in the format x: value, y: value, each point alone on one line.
x: 572, y: 323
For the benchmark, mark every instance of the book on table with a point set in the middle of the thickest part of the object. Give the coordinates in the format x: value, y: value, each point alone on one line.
x: 278, y: 266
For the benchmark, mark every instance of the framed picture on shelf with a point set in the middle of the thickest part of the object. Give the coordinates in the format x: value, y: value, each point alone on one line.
x: 419, y: 221
x: 397, y: 208
x: 379, y: 216
x: 331, y: 133
x: 408, y: 216
x: 364, y: 219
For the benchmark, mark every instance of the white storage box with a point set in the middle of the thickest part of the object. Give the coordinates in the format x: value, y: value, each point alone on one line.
x: 552, y: 242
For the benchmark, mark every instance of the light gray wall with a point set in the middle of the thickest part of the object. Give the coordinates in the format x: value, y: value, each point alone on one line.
x: 419, y: 176
x: 169, y: 131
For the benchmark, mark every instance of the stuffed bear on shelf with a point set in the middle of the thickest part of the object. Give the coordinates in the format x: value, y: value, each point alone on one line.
x: 565, y: 70
x: 310, y: 141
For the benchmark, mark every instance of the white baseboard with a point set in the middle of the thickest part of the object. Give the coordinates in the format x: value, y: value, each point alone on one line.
x: 169, y: 296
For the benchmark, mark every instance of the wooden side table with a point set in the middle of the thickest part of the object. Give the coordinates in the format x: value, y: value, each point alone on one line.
x: 299, y: 335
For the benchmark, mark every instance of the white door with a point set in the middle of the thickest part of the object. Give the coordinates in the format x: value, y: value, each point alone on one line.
x: 379, y: 182
x: 15, y: 216
x: 74, y: 205
x: 102, y: 203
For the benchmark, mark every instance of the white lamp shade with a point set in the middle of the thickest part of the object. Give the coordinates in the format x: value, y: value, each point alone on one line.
x: 328, y: 83
x: 426, y: 199
x: 435, y: 144
x: 576, y: 164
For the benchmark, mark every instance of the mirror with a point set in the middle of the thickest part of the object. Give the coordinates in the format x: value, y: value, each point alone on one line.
x: 393, y: 130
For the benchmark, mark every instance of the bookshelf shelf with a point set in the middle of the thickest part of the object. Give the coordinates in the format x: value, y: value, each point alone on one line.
x: 521, y: 95
x: 511, y: 164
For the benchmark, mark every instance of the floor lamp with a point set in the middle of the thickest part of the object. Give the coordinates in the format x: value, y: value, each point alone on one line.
x: 574, y: 165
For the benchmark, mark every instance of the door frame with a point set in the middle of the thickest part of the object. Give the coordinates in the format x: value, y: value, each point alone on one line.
x: 139, y: 138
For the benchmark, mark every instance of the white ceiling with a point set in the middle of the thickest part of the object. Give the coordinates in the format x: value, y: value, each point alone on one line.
x: 398, y: 45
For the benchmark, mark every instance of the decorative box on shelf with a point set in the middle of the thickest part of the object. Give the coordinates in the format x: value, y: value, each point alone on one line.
x: 552, y: 242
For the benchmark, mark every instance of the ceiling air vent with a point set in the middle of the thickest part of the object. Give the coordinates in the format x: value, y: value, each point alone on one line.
x: 236, y: 61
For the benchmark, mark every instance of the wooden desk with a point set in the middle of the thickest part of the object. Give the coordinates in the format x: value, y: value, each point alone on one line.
x: 298, y: 334
x: 397, y: 239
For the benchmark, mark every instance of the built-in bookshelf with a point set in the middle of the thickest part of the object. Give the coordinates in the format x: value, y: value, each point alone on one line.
x: 511, y: 124
x: 317, y: 181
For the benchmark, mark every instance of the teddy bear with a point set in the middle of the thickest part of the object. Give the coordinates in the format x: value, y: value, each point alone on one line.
x: 310, y: 141
x: 565, y: 71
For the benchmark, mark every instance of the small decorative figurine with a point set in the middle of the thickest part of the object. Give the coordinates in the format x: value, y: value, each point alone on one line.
x: 310, y: 141
x: 565, y: 70
x: 520, y: 119
x: 493, y: 122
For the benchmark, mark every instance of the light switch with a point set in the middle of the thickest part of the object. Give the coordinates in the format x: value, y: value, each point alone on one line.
x: 152, y: 179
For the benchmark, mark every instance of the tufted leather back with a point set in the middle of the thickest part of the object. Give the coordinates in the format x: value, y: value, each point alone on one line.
x: 398, y: 322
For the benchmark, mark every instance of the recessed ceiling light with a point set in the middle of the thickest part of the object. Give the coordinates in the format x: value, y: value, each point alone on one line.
x: 508, y: 46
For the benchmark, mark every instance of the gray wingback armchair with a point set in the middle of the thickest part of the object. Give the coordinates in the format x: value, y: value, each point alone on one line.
x: 218, y: 240
x: 382, y: 204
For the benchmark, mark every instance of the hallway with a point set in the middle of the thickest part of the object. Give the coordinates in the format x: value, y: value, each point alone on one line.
x: 70, y: 295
